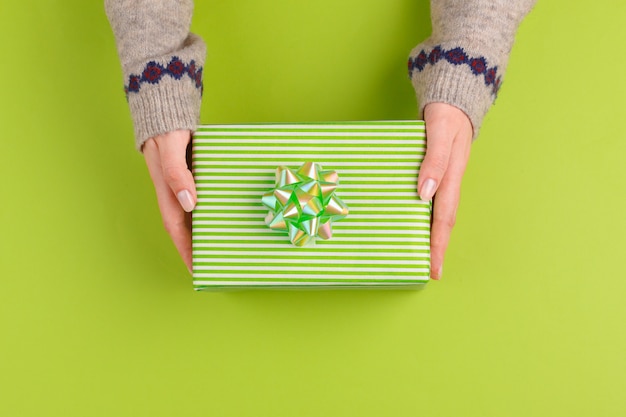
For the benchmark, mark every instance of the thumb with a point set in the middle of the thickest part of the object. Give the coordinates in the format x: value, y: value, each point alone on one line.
x: 435, y: 163
x: 172, y: 150
x: 443, y: 123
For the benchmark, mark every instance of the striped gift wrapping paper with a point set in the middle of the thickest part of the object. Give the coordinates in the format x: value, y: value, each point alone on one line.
x: 383, y: 242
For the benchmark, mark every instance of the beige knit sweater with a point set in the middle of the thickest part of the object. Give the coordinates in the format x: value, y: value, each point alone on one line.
x: 462, y: 63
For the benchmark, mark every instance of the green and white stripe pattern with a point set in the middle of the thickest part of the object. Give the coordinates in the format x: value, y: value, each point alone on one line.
x: 384, y: 241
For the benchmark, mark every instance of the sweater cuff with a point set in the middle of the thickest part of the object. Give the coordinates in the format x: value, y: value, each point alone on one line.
x: 165, y: 106
x: 454, y: 77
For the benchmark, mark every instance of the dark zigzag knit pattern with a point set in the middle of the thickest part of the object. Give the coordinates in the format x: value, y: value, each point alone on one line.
x: 457, y: 56
x: 154, y: 72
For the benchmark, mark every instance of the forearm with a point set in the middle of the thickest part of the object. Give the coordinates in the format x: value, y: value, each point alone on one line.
x: 463, y: 62
x: 162, y: 63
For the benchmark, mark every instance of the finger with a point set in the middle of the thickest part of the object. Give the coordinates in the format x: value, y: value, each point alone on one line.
x: 446, y: 203
x: 176, y: 221
x: 439, y: 139
x: 172, y: 150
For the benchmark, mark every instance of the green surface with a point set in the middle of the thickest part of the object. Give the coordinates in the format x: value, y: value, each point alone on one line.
x: 97, y: 313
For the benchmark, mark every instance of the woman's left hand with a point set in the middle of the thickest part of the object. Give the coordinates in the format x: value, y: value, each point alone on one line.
x: 448, y: 139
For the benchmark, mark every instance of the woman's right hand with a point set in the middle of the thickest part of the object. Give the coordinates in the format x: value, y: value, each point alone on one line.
x: 174, y: 185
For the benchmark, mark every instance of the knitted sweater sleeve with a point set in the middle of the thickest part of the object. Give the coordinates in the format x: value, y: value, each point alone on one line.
x: 463, y: 61
x: 161, y: 61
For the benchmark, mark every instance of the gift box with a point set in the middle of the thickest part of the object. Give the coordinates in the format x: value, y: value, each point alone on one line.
x: 383, y: 241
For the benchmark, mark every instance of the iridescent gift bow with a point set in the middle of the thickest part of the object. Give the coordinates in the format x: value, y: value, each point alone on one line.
x: 304, y: 203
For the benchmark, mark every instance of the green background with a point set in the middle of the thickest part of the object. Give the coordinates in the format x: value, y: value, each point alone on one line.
x: 97, y: 314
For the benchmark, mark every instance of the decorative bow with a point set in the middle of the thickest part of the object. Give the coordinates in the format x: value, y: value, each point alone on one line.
x: 304, y: 203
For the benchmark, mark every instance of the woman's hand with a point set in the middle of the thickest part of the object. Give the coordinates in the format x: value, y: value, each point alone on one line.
x: 175, y: 189
x: 449, y: 137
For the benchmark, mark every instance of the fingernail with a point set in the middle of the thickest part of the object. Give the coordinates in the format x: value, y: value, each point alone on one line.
x: 185, y: 200
x: 428, y: 189
x: 190, y: 271
x: 436, y: 274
